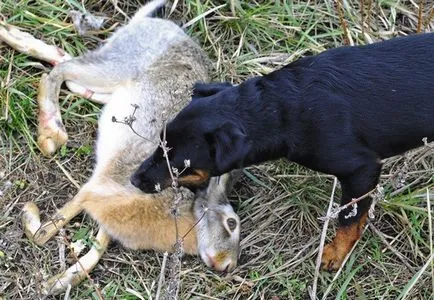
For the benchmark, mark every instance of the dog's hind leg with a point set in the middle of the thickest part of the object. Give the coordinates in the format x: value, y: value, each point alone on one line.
x: 80, y: 270
x: 351, y: 226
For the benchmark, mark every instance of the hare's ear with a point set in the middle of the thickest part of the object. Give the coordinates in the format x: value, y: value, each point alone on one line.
x: 201, y: 90
x: 228, y: 180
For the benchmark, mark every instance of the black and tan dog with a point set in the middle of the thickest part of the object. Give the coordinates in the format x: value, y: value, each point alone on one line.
x: 339, y: 112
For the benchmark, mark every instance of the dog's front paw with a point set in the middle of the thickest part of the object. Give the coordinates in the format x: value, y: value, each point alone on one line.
x: 332, y: 257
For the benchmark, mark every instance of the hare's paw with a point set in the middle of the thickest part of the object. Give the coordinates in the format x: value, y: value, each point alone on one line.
x: 30, y: 220
x: 51, y: 132
x: 51, y: 135
x: 59, y: 283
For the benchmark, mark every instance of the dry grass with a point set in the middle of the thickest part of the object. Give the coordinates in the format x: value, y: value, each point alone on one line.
x: 279, y: 203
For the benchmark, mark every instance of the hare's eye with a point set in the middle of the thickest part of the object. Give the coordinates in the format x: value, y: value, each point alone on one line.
x: 232, y: 223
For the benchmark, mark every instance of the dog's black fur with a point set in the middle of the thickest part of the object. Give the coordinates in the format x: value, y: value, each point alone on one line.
x: 338, y: 112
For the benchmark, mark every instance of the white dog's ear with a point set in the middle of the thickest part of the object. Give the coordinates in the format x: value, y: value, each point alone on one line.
x: 201, y: 90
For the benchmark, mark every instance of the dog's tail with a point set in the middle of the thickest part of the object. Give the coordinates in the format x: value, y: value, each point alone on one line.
x: 147, y: 10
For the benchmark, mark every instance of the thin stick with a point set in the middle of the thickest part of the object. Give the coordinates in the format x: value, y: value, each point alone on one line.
x: 97, y: 290
x: 195, y: 224
x: 175, y: 259
x: 160, y: 280
x: 342, y: 21
x: 415, y: 278
x: 73, y: 181
x: 428, y: 20
x: 362, y: 13
x: 430, y: 230
x: 341, y: 268
x: 341, y: 208
x: 321, y: 244
x: 420, y: 16
x: 368, y: 16
x: 391, y: 248
x: 6, y: 83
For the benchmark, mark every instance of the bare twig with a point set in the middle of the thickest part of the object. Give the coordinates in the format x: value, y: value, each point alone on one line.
x: 321, y: 244
x: 420, y: 16
x: 341, y: 268
x: 68, y: 175
x: 391, y: 248
x: 6, y: 85
x: 129, y: 122
x: 430, y: 16
x: 174, y: 272
x: 174, y: 267
x: 197, y: 222
x: 342, y: 21
x: 161, y: 279
x: 76, y: 259
x: 430, y: 230
x: 175, y: 259
x: 415, y: 278
x: 334, y: 213
x: 362, y: 14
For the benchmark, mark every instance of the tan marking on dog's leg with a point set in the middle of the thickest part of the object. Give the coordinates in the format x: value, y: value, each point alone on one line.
x: 40, y: 234
x: 78, y: 272
x: 346, y: 236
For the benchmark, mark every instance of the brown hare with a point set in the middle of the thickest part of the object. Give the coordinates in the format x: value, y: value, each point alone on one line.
x: 148, y: 66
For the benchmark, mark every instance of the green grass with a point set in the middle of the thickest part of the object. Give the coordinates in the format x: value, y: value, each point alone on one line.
x: 279, y: 203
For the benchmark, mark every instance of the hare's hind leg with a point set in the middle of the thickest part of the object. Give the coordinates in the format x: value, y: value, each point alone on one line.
x: 28, y: 44
x: 41, y: 233
x: 80, y: 270
x: 51, y: 132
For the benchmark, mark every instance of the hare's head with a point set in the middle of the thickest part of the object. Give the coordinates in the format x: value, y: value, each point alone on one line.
x: 218, y: 229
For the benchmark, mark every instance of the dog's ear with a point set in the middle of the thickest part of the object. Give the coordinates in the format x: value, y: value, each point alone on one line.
x: 229, y: 145
x: 201, y: 89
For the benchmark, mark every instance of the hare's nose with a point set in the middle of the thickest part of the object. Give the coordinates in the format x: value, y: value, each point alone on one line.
x: 218, y: 264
